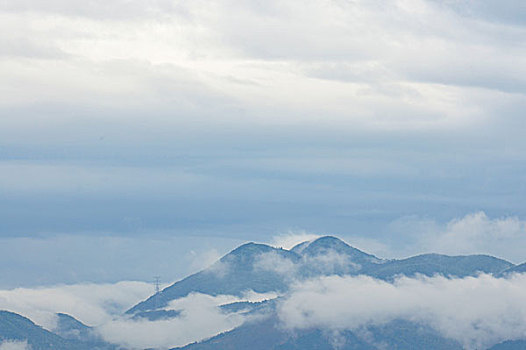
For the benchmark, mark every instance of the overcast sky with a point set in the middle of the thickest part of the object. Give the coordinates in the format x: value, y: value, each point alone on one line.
x: 140, y: 138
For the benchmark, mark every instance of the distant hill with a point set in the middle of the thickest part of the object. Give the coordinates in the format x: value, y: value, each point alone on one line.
x: 70, y: 334
x: 510, y: 345
x: 19, y: 328
x: 263, y: 269
x: 72, y: 329
x: 436, y: 264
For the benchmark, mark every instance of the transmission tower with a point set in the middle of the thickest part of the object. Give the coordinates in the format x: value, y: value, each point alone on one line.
x: 157, y: 283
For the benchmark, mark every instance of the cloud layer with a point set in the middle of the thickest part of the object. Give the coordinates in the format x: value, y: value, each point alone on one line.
x: 92, y: 304
x: 476, y: 311
x: 102, y: 307
x: 200, y: 318
x: 321, y: 57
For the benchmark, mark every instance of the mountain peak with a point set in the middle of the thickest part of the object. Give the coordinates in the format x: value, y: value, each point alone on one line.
x: 326, y: 241
x: 325, y: 244
x: 251, y: 247
x: 329, y: 241
x: 247, y: 252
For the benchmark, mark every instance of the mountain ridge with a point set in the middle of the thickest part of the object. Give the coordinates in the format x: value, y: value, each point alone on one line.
x: 263, y: 268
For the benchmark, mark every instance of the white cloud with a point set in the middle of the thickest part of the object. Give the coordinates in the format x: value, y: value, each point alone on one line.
x: 478, y: 232
x: 475, y: 233
x: 92, y: 304
x: 14, y: 345
x: 173, y: 57
x: 477, y: 311
x: 200, y: 318
x: 102, y: 306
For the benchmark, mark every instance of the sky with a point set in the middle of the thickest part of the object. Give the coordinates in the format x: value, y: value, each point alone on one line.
x: 144, y: 138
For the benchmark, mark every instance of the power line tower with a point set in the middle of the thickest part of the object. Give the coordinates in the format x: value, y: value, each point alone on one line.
x: 157, y: 284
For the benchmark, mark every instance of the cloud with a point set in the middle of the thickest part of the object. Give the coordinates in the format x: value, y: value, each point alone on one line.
x: 64, y: 178
x: 471, y: 234
x: 102, y: 306
x: 200, y: 318
x: 476, y: 311
x: 14, y: 345
x: 381, y: 51
x: 478, y: 232
x: 116, y: 10
x: 92, y: 304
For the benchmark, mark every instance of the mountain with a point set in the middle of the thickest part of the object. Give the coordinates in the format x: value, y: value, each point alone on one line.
x: 331, y: 256
x: 433, y: 264
x: 15, y: 327
x: 156, y: 315
x: 510, y: 345
x: 263, y: 269
x: 265, y: 333
x: 248, y: 267
x: 72, y: 329
x: 69, y: 334
x: 514, y: 269
x: 69, y: 327
x: 329, y: 244
x: 245, y: 306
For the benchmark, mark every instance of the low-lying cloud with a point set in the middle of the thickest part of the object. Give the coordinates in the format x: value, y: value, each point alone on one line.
x: 92, y: 304
x: 14, y: 345
x: 476, y: 311
x: 200, y: 318
x: 102, y: 306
